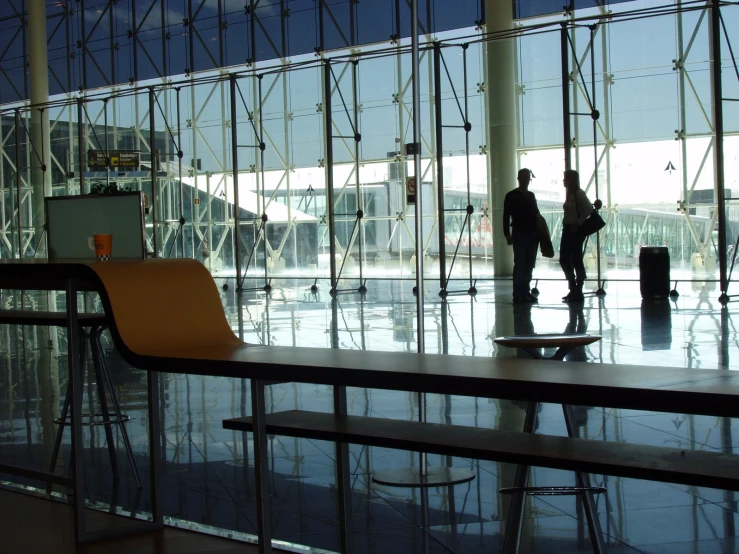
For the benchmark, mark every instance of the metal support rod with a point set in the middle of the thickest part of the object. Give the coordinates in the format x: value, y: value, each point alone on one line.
x: 18, y: 181
x: 179, y: 170
x: 683, y: 118
x: 595, y: 142
x: 718, y: 147
x: 467, y: 221
x: 357, y: 223
x: 80, y: 146
x: 439, y: 166
x: 154, y: 195
x: 263, y: 194
x: 566, y: 97
x: 607, y: 83
x: 105, y: 142
x: 357, y: 138
x: 235, y: 169
x: 415, y: 81
x: 329, y: 171
x: 83, y: 42
x: 415, y: 70
x: 467, y: 129
x: 239, y: 278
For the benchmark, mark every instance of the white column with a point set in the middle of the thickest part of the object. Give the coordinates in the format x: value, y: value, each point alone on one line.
x: 39, y: 73
x: 41, y: 182
x: 500, y: 90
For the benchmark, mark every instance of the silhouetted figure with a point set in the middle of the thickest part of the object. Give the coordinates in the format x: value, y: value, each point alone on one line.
x: 520, y: 207
x: 577, y: 208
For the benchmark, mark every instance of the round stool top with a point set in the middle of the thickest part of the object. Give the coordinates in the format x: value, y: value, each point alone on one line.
x: 547, y: 340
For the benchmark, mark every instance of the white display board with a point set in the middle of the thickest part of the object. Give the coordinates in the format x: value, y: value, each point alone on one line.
x: 71, y: 222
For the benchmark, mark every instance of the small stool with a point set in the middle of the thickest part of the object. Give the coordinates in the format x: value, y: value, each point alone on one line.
x: 565, y: 343
x: 582, y: 492
x: 91, y: 331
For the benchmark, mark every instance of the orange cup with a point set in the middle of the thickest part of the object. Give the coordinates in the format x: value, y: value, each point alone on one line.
x: 103, y: 247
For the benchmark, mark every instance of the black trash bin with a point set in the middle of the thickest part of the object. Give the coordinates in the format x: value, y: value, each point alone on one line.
x: 654, y: 272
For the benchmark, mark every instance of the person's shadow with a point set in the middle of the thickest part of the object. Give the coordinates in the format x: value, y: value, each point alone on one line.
x: 578, y: 325
x: 522, y: 325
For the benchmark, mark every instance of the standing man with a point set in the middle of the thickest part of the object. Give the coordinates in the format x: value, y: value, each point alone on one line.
x: 520, y: 206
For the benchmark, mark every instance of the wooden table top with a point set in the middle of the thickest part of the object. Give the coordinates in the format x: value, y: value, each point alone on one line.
x: 179, y: 326
x: 708, y: 392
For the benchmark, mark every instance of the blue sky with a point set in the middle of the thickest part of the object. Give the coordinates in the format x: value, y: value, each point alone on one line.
x: 375, y: 21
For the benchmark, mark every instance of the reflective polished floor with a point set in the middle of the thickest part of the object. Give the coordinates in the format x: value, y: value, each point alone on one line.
x: 209, y: 471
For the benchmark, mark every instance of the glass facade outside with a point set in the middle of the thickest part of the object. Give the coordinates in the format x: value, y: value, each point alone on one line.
x: 649, y: 156
x: 252, y: 122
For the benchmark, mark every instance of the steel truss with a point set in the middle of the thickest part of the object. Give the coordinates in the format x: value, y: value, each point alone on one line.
x: 168, y: 122
x: 576, y: 80
x: 603, y: 142
x: 466, y: 126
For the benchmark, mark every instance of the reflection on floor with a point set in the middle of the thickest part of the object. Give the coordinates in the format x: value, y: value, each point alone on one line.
x: 209, y: 487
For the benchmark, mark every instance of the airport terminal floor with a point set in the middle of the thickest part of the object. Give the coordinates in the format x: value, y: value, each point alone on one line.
x: 208, y: 473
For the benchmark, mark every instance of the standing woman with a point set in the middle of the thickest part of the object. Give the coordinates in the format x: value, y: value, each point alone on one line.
x: 577, y: 209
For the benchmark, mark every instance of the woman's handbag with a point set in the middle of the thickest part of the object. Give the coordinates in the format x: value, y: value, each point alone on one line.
x: 592, y: 224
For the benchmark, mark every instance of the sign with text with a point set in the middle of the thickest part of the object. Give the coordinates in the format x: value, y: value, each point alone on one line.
x: 128, y: 159
x: 410, y: 191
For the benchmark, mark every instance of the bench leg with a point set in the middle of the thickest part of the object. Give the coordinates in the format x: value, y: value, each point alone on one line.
x: 514, y: 524
x: 343, y: 479
x: 76, y: 385
x: 264, y: 527
x: 103, y: 400
x: 65, y: 407
x: 97, y: 349
x: 588, y: 499
x: 155, y: 448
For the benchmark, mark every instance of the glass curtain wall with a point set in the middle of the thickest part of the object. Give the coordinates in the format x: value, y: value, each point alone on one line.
x: 245, y: 154
x: 652, y: 149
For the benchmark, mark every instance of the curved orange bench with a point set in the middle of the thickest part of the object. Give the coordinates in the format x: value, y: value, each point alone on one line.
x: 163, y: 308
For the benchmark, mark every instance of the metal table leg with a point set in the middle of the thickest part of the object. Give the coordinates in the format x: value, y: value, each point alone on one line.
x: 76, y: 381
x: 155, y: 453
x: 514, y: 524
x: 343, y: 480
x: 264, y: 528
x: 588, y: 499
